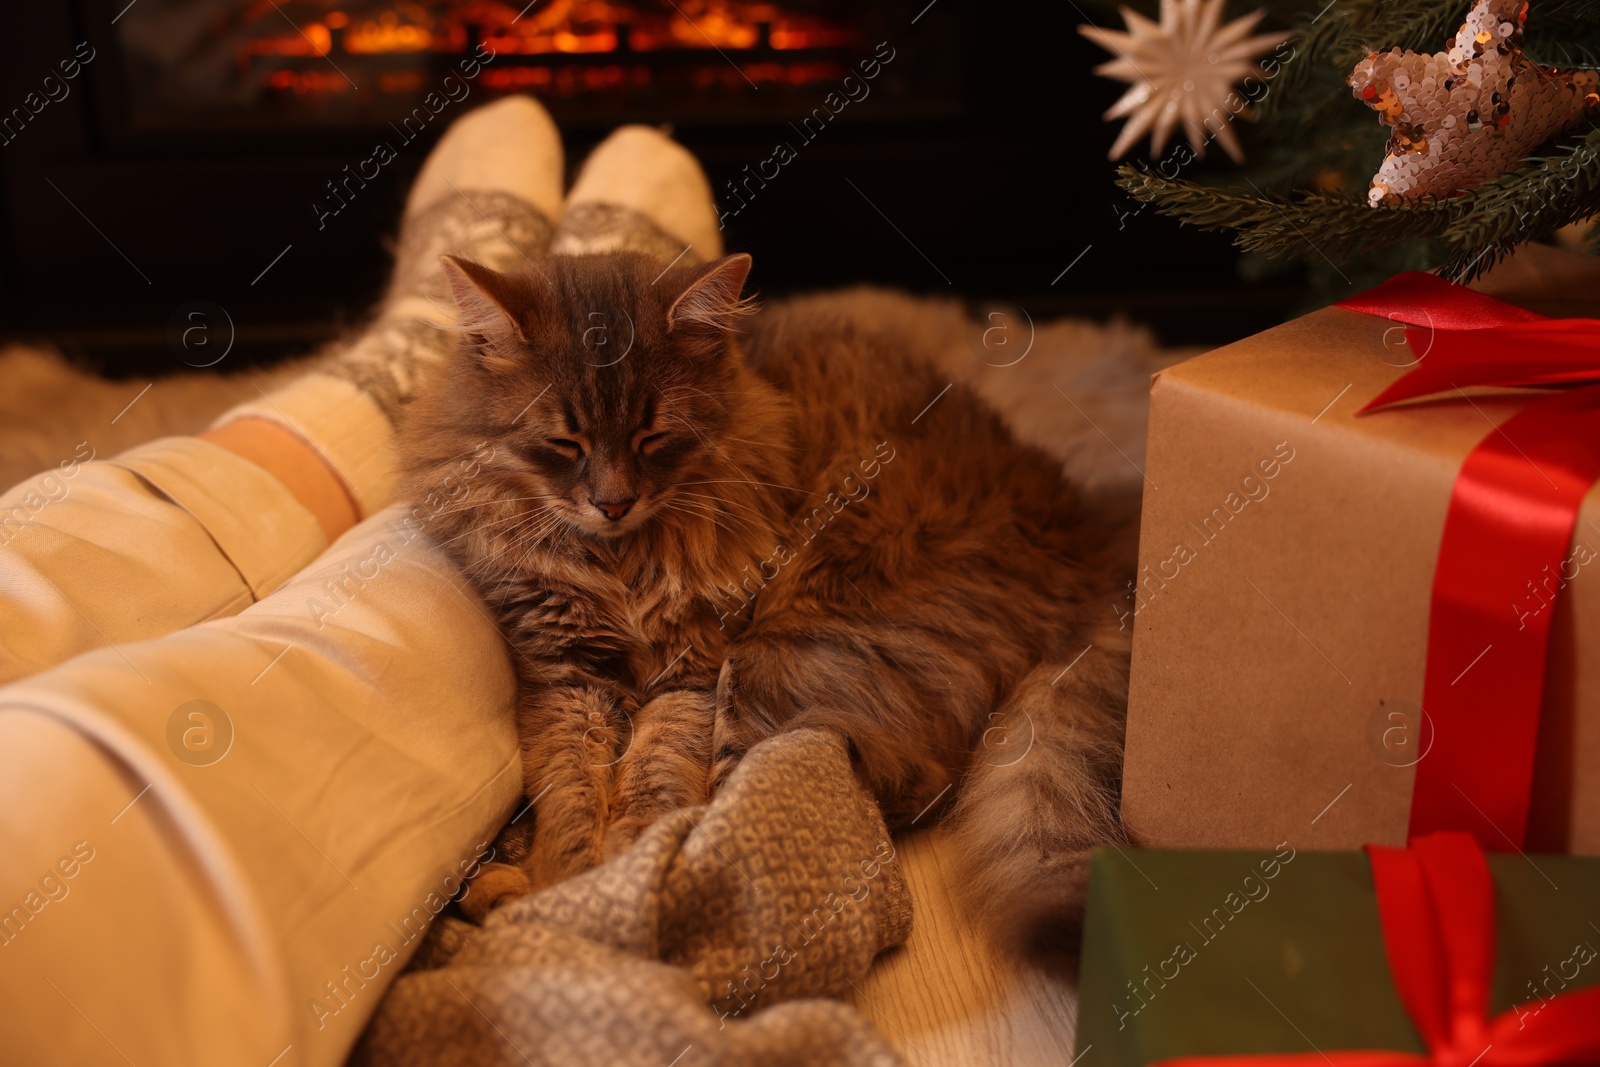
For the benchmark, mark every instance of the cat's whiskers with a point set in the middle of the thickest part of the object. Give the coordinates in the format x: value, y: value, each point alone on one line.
x: 491, y: 502
x: 525, y: 534
x: 721, y: 522
x: 729, y: 460
x: 554, y: 522
x: 478, y: 528
x: 708, y: 516
x: 752, y: 515
x: 530, y: 542
x: 739, y: 528
x: 489, y: 524
x: 669, y: 395
x: 517, y: 517
x: 540, y: 523
x: 515, y: 570
x: 679, y: 502
x: 480, y: 523
x: 736, y: 501
x: 787, y: 447
x: 748, y: 481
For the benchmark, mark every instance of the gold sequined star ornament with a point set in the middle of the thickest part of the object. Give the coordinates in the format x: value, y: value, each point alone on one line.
x: 1463, y: 116
x: 1182, y: 69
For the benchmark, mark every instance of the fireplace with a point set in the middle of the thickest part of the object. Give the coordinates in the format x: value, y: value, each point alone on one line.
x: 275, y: 65
x: 192, y: 155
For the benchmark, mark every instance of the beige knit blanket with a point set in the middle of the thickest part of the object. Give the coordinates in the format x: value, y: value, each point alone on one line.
x: 715, y: 939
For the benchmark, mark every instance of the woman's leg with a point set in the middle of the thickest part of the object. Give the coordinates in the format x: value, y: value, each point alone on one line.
x: 643, y: 192
x: 314, y: 484
x: 220, y: 846
x: 100, y: 550
x: 103, y: 551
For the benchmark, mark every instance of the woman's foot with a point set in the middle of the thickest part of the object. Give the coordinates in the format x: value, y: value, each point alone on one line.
x: 490, y: 191
x: 640, y: 190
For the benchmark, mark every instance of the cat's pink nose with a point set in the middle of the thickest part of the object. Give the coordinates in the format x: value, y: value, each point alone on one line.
x: 614, y: 510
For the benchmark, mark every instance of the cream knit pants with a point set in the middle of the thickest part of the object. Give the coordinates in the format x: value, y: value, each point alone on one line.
x: 204, y: 836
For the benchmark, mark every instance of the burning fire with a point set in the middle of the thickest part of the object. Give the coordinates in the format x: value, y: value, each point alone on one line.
x: 572, y: 27
x: 604, y: 45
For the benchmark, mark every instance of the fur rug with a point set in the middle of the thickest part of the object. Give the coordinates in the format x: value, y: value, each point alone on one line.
x: 49, y: 405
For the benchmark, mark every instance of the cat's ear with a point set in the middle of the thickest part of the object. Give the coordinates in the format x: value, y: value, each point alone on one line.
x: 486, y: 299
x: 709, y: 299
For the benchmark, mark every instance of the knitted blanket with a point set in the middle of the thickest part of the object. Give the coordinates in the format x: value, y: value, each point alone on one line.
x: 713, y: 940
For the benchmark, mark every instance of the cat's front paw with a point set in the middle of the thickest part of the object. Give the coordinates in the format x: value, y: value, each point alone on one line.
x: 664, y: 768
x: 733, y: 732
x: 621, y: 834
x: 552, y: 863
x: 496, y: 884
x: 631, y: 824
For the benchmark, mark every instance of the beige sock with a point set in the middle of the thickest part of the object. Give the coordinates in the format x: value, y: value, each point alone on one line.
x: 489, y: 191
x: 643, y: 191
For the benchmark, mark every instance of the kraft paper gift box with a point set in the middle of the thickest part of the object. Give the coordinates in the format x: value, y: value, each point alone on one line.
x: 1284, y: 953
x: 1287, y: 556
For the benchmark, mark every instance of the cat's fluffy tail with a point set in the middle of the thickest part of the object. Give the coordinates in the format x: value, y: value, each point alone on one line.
x: 1043, y: 791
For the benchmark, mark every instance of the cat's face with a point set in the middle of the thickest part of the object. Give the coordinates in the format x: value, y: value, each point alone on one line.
x: 600, y: 380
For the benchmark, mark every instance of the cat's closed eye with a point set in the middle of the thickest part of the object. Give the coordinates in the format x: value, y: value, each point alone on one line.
x: 566, y: 446
x: 651, y: 443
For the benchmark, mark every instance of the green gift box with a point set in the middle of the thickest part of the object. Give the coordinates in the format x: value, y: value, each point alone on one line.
x: 1201, y: 954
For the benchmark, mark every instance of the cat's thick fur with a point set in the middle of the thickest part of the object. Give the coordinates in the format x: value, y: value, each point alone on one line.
x: 716, y: 537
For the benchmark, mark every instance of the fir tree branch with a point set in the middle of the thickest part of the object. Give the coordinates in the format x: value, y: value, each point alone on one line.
x: 1532, y: 202
x: 1343, y: 34
x: 1476, y: 229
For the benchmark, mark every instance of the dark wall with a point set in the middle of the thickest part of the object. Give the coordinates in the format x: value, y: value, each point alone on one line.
x: 103, y: 236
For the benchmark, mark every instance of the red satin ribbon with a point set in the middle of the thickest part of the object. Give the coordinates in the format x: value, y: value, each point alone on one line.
x: 1506, y: 534
x: 1436, y: 906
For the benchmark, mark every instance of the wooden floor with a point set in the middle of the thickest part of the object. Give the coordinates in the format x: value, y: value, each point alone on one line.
x: 947, y: 999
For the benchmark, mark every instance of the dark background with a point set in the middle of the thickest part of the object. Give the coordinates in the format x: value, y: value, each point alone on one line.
x: 999, y: 189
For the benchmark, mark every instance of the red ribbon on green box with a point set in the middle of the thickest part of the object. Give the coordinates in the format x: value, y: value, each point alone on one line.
x: 1436, y: 905
x: 1511, y: 514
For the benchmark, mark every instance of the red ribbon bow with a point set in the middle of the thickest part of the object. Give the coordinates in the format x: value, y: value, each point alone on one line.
x: 1511, y: 516
x: 1436, y: 905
